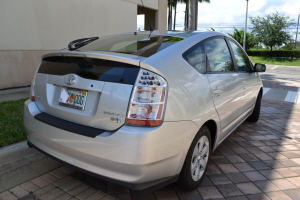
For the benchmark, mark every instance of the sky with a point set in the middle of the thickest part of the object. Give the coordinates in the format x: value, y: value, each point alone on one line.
x: 223, y: 15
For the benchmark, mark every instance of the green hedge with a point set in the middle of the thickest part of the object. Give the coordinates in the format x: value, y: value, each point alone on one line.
x: 275, y: 53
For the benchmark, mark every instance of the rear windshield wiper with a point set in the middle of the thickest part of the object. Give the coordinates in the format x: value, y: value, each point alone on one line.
x: 81, y: 42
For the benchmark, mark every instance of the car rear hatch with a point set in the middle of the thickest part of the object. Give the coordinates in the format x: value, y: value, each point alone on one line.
x: 91, y: 84
x: 90, y: 89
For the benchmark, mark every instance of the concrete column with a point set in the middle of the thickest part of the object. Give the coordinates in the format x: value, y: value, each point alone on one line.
x: 161, y: 15
x: 149, y: 17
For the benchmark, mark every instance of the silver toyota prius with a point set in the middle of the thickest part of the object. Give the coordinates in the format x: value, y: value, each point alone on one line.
x: 142, y: 109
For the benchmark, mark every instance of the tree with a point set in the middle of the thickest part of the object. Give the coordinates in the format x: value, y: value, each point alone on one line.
x: 172, y: 4
x: 186, y: 14
x: 192, y: 14
x: 271, y: 29
x: 291, y: 46
x: 238, y: 35
x: 170, y: 9
x: 175, y: 11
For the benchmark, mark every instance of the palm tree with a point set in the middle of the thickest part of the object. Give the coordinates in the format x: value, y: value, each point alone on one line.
x: 170, y: 7
x: 186, y: 18
x: 238, y: 35
x: 193, y: 13
x: 171, y: 4
x: 175, y: 10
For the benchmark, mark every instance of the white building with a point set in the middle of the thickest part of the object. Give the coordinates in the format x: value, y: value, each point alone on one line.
x: 31, y: 28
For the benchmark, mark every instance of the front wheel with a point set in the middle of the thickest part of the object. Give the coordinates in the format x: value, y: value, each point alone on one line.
x: 196, y: 161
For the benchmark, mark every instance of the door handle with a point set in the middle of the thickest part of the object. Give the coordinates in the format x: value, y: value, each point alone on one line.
x: 244, y: 84
x: 217, y: 92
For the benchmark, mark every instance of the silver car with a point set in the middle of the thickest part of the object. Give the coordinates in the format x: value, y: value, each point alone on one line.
x: 142, y: 109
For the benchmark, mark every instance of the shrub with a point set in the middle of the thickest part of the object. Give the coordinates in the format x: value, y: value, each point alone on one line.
x: 275, y: 53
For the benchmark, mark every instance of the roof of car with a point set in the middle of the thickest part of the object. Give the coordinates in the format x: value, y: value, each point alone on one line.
x: 142, y: 43
x: 135, y: 58
x: 181, y: 34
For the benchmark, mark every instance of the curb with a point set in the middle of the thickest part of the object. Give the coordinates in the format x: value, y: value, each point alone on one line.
x: 14, y: 94
x: 19, y: 163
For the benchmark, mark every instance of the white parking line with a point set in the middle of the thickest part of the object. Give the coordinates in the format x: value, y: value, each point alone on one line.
x: 265, y: 90
x: 281, y: 95
x: 291, y: 97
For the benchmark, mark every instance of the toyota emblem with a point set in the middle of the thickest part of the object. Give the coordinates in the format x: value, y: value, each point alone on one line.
x: 70, y: 79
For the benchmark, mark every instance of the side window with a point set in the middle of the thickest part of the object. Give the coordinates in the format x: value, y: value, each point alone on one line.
x: 218, y: 56
x: 241, y: 58
x: 195, y: 56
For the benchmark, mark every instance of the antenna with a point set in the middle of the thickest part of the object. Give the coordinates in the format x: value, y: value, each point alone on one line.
x: 151, y: 28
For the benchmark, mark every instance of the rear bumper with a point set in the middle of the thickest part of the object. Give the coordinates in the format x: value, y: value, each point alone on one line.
x: 152, y: 185
x: 137, y: 157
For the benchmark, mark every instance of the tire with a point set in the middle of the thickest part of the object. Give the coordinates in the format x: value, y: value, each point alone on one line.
x: 256, y: 111
x: 196, y: 161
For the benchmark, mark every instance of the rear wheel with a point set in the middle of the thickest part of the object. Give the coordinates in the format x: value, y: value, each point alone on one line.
x: 256, y: 111
x: 196, y: 161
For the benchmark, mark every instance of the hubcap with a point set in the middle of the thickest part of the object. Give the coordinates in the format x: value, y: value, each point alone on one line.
x: 200, y: 158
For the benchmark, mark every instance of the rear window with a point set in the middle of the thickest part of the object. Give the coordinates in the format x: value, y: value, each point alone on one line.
x: 196, y: 57
x: 90, y: 68
x: 140, y: 44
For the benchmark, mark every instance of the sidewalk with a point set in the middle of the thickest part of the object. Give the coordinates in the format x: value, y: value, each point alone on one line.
x: 258, y: 161
x: 19, y: 163
x: 14, y: 94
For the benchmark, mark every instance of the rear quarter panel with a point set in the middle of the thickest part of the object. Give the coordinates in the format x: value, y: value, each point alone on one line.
x: 189, y: 96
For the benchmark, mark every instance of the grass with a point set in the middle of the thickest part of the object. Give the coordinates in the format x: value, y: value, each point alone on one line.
x: 11, y: 122
x: 275, y: 61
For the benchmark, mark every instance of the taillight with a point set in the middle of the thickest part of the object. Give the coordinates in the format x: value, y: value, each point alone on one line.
x: 32, y: 97
x: 148, y: 100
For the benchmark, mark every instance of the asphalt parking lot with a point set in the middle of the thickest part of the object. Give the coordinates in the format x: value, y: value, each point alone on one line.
x: 258, y: 161
x: 282, y: 77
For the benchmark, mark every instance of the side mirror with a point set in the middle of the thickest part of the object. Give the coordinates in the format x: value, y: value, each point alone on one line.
x: 258, y: 67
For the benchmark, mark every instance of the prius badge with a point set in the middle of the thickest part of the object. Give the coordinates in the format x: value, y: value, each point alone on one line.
x: 70, y: 79
x: 115, y: 117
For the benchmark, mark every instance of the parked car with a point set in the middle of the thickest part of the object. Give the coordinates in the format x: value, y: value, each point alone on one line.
x: 142, y: 109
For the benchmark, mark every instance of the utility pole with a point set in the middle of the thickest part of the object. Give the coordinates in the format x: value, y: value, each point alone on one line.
x: 245, y: 30
x: 297, y: 32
